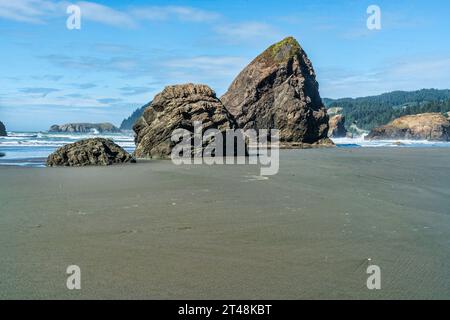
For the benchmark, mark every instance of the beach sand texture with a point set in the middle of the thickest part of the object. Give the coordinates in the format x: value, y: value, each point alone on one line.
x: 159, y: 231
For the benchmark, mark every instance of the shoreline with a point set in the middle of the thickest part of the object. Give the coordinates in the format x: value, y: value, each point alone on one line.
x: 153, y: 230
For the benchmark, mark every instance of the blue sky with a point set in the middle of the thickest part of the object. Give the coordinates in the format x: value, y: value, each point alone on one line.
x: 127, y: 51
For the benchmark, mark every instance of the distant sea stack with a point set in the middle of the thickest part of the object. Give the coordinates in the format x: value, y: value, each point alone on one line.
x: 2, y: 130
x: 278, y: 89
x: 89, y: 152
x: 176, y: 107
x: 425, y: 126
x: 85, y: 128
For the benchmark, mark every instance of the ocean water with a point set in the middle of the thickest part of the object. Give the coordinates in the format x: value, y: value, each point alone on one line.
x: 360, y: 142
x: 32, y: 148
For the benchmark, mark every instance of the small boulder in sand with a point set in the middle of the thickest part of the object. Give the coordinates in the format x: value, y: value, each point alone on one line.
x: 88, y: 152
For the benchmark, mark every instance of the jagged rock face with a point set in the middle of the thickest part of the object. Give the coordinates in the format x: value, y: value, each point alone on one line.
x: 85, y: 127
x: 87, y: 152
x: 177, y: 107
x: 337, y: 126
x: 278, y: 89
x: 426, y: 126
x: 2, y: 130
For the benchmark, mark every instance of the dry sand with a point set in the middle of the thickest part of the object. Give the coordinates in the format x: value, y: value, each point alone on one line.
x: 155, y: 230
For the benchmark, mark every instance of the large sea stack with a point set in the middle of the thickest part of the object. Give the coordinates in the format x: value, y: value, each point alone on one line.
x: 425, y: 126
x: 89, y: 152
x: 2, y: 130
x: 177, y: 107
x: 278, y: 89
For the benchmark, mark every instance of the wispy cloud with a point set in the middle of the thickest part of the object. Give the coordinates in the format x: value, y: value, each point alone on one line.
x: 43, y: 92
x: 106, y: 15
x: 403, y: 74
x: 51, y: 77
x: 155, y: 13
x: 207, y: 65
x: 247, y: 31
x: 109, y: 100
x: 30, y: 11
x: 39, y: 11
x: 131, y: 91
x: 84, y: 86
x: 115, y: 63
x: 74, y: 95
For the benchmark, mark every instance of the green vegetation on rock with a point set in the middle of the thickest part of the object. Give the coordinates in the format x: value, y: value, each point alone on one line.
x: 282, y: 51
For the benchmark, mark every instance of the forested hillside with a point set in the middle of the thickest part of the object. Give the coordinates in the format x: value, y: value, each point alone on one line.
x: 373, y: 111
x: 127, y: 124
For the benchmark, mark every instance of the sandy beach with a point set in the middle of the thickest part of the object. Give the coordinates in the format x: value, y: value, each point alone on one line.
x: 154, y: 230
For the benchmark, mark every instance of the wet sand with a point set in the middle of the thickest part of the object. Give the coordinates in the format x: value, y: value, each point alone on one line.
x: 158, y: 231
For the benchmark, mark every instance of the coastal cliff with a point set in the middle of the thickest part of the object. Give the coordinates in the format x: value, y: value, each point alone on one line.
x: 426, y: 126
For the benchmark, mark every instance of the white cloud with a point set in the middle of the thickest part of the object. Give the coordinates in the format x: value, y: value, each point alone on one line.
x: 220, y: 65
x: 30, y: 11
x: 39, y: 11
x: 247, y: 31
x: 99, y: 13
x: 155, y: 13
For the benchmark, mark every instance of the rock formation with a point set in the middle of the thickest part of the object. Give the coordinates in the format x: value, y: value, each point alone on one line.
x: 2, y: 130
x: 425, y: 126
x: 278, y: 89
x: 337, y: 126
x: 95, y: 151
x: 177, y: 107
x: 85, y: 128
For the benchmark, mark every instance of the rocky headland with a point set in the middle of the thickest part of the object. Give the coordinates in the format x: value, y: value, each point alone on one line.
x: 95, y: 151
x: 425, y: 126
x: 2, y: 130
x: 177, y: 107
x: 85, y: 128
x: 278, y: 89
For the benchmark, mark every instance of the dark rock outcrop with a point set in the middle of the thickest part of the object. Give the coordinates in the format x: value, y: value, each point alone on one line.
x: 425, y: 126
x: 2, y: 130
x: 278, y: 89
x: 177, y: 107
x: 337, y: 126
x: 87, y: 152
x: 85, y: 128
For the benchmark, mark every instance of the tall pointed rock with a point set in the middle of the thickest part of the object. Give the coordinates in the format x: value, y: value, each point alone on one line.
x: 278, y: 89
